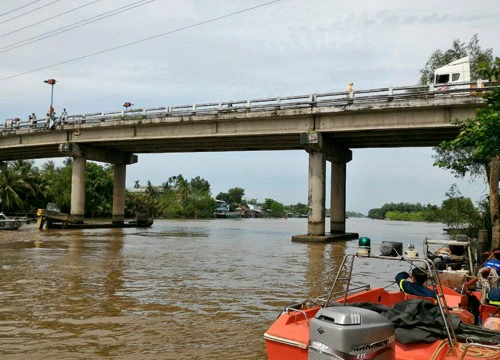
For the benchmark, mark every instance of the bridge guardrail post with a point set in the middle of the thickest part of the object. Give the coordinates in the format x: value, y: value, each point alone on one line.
x: 391, y: 94
x: 431, y: 90
x: 313, y: 99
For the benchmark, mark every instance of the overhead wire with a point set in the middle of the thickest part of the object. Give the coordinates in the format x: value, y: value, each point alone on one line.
x: 142, y: 40
x: 69, y: 27
x: 29, y: 12
x: 50, y: 18
x: 18, y: 8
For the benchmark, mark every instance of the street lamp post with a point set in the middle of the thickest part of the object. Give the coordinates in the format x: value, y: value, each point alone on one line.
x: 51, y: 82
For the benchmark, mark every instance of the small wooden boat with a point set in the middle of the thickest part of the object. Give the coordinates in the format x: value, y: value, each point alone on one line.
x: 365, y: 323
x: 7, y: 223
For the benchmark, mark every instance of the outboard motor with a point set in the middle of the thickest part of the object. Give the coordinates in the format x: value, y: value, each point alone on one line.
x: 348, y: 332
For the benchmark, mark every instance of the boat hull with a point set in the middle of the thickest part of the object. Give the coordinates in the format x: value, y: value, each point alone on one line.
x: 10, y: 224
x: 288, y: 337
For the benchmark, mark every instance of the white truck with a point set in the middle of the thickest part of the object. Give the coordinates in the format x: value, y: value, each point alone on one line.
x: 455, y: 76
x: 457, y: 71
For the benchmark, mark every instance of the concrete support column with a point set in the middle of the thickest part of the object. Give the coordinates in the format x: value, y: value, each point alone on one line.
x: 118, y: 215
x: 78, y: 189
x: 316, y: 201
x: 337, y: 197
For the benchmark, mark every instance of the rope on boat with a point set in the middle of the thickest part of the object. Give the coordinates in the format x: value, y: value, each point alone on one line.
x: 479, y: 351
x: 437, y: 351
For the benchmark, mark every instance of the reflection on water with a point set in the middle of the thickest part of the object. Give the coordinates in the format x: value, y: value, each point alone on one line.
x: 179, y: 290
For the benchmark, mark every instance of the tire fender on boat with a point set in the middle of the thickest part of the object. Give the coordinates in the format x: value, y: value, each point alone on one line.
x: 2, y: 224
x: 17, y: 223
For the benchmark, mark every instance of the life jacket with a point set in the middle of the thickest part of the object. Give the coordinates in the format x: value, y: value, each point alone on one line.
x: 495, y: 294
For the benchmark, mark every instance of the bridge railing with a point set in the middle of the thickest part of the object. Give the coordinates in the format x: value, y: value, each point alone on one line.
x: 339, y: 98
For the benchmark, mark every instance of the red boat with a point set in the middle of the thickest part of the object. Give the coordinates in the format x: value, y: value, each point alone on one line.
x: 365, y: 323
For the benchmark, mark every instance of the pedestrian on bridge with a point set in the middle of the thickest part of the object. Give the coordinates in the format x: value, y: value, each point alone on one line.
x: 350, y: 90
x: 33, y: 120
x: 64, y: 116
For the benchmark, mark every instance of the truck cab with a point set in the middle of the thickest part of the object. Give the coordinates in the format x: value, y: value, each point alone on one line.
x: 457, y: 71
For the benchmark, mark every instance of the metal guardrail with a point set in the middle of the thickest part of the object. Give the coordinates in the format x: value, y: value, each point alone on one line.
x: 341, y: 98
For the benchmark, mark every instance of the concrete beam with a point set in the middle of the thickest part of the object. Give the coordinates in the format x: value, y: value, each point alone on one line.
x: 313, y: 141
x: 91, y: 153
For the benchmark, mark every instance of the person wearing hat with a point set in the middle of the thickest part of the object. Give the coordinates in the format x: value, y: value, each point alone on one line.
x: 414, y: 284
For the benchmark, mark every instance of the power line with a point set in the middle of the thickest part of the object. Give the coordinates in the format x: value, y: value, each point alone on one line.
x: 50, y: 18
x: 29, y: 12
x: 78, y: 24
x: 142, y: 40
x: 20, y: 7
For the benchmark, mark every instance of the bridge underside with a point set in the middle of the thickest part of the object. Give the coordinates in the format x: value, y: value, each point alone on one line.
x: 349, y: 139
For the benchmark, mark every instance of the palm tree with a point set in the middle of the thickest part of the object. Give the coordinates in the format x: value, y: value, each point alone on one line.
x: 12, y: 187
x: 31, y: 175
x: 183, y: 188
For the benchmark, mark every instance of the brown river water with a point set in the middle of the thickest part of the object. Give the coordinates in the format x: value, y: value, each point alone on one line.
x: 178, y: 290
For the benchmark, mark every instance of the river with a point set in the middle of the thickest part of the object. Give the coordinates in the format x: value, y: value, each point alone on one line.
x: 188, y: 289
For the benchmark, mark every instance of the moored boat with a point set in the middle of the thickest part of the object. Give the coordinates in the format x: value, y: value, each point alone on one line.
x: 7, y: 223
x: 366, y: 323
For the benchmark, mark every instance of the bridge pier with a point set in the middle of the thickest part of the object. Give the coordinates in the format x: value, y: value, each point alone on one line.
x: 316, y: 198
x: 320, y: 150
x: 119, y: 176
x: 78, y: 189
x: 80, y: 154
x: 338, y: 189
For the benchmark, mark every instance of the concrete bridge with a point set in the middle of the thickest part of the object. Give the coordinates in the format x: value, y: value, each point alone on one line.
x: 325, y: 125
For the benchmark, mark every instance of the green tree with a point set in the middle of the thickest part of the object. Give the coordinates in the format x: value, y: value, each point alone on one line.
x: 458, y: 50
x: 183, y: 188
x: 12, y: 187
x: 32, y: 194
x: 490, y: 70
x: 233, y: 196
x: 200, y: 185
x: 478, y: 146
x: 57, y: 184
x: 98, y: 189
x: 457, y: 211
x: 277, y: 209
x: 236, y: 195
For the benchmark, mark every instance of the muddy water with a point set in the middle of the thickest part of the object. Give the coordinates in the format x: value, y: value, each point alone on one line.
x: 178, y: 290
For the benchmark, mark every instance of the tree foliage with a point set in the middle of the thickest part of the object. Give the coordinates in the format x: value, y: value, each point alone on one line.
x: 233, y: 196
x: 13, y: 188
x: 406, y: 212
x: 458, y: 211
x: 478, y: 144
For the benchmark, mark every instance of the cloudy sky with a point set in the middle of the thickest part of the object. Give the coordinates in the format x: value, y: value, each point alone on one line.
x: 173, y: 52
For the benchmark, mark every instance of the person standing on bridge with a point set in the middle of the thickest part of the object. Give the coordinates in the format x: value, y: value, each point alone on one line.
x: 350, y: 90
x: 64, y: 116
x: 32, y: 119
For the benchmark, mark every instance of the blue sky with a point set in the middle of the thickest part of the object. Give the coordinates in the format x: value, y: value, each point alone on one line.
x: 283, y: 48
